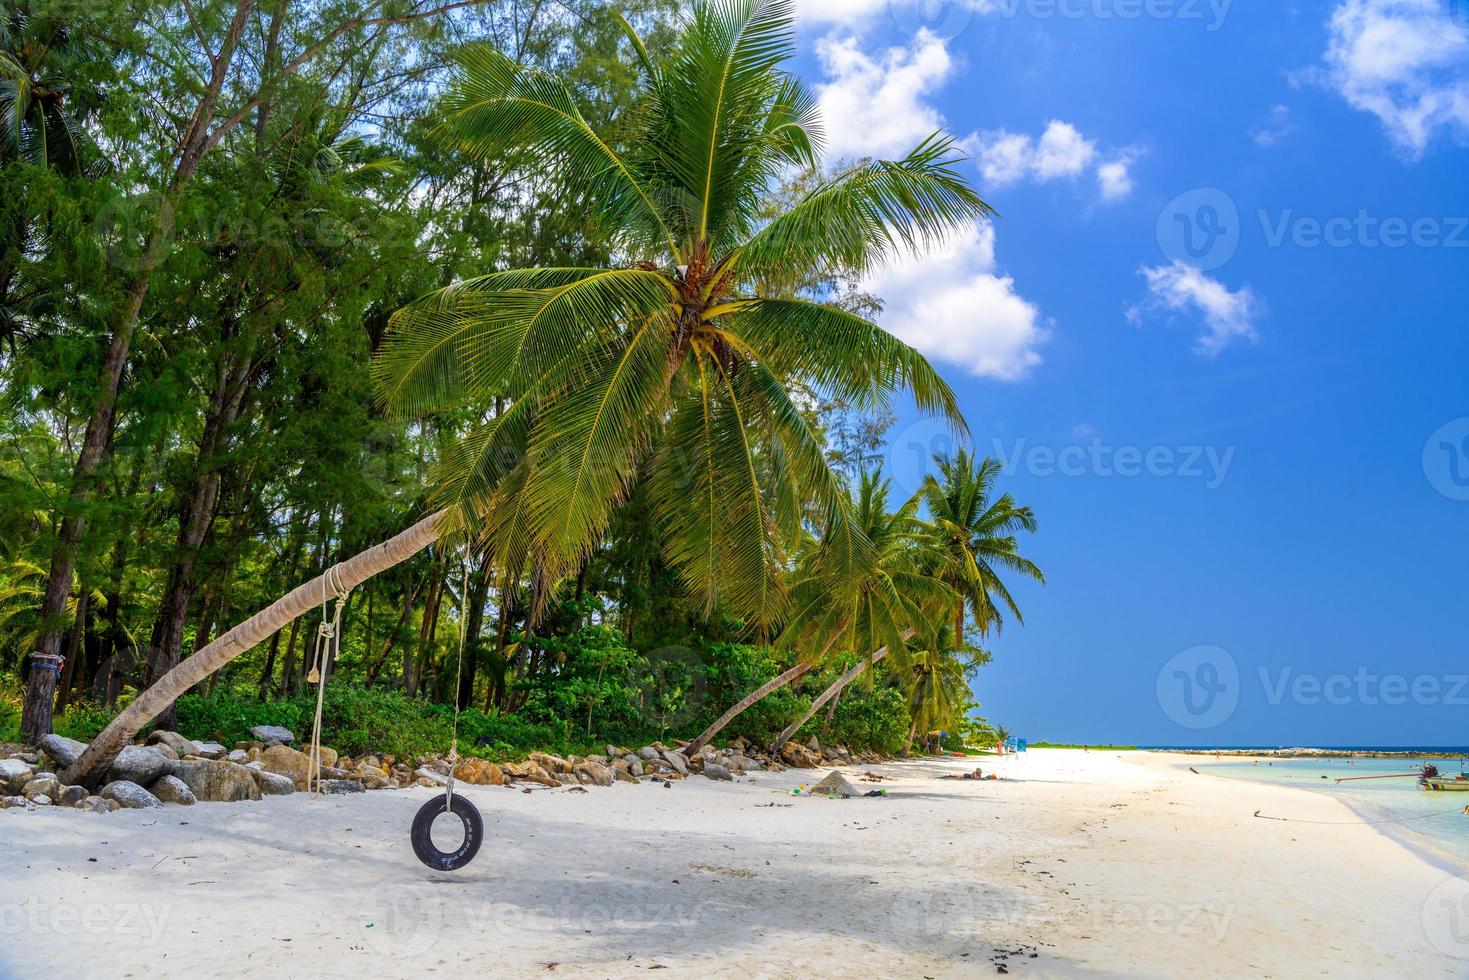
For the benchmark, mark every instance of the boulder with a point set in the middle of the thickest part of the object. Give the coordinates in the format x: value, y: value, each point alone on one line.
x: 375, y: 782
x: 62, y: 750
x: 431, y: 778
x: 714, y: 770
x: 286, y: 761
x: 14, y: 774
x: 272, y: 784
x: 141, y: 765
x: 341, y: 786
x: 6, y: 802
x: 171, y: 789
x: 648, y: 752
x: 835, y: 784
x: 478, y: 772
x: 550, y: 763
x: 238, y: 756
x: 634, y: 764
x: 72, y: 796
x: 530, y: 772
x: 181, y: 746
x: 623, y: 776
x: 129, y: 796
x: 798, y: 756
x: 211, y: 750
x: 45, y: 785
x: 217, y: 781
x: 272, y: 735
x: 677, y: 761
x: 595, y: 773
x: 96, y: 804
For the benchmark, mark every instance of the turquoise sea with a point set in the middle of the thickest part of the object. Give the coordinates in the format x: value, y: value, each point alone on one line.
x: 1432, y: 823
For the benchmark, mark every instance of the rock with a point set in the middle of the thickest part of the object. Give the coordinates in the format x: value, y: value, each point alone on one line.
x: 634, y: 764
x: 72, y: 796
x: 238, y: 756
x: 166, y: 751
x: 181, y: 746
x: 341, y: 786
x: 218, y: 781
x: 14, y: 774
x: 7, y: 802
x: 96, y: 804
x: 550, y: 763
x: 677, y: 761
x: 172, y: 789
x: 835, y: 784
x: 137, y: 764
x: 272, y: 784
x: 479, y: 772
x: 623, y: 776
x: 648, y: 752
x: 129, y: 796
x: 272, y: 735
x: 62, y: 750
x: 329, y: 756
x: 211, y: 750
x: 797, y: 756
x: 530, y: 772
x: 376, y: 782
x: 427, y: 777
x: 596, y: 773
x: 45, y: 785
x: 813, y: 744
x: 286, y: 761
x: 713, y: 770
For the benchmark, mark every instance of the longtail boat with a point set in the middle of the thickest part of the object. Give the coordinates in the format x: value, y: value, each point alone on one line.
x: 1433, y: 781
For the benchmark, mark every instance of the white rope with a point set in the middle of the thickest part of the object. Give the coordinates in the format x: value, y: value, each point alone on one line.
x: 328, y: 640
x: 458, y: 669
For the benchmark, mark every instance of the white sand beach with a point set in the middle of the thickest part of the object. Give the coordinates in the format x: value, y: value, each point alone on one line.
x: 1073, y: 864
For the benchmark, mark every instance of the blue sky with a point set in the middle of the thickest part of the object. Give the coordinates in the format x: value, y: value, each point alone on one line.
x: 1220, y: 336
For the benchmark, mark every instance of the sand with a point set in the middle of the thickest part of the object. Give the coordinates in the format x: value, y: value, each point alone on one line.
x: 1074, y: 864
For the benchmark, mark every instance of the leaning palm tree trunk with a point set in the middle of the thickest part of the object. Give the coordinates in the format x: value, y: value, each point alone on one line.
x: 774, y: 684
x: 827, y: 695
x: 89, y: 768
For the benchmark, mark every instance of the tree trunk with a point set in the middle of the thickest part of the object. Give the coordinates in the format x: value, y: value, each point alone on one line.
x: 94, y: 762
x: 774, y: 684
x: 828, y: 694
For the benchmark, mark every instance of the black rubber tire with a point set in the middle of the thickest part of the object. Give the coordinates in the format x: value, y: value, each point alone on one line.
x: 423, y: 844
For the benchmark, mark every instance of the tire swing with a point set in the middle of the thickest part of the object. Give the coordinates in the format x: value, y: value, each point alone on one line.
x: 458, y: 806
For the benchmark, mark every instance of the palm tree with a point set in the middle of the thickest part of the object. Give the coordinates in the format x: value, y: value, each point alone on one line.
x: 882, y: 608
x: 973, y: 539
x: 671, y: 365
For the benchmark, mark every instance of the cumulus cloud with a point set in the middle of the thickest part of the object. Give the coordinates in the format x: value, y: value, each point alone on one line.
x: 1180, y: 288
x: 876, y: 105
x: 955, y: 305
x: 1061, y: 151
x: 1407, y: 63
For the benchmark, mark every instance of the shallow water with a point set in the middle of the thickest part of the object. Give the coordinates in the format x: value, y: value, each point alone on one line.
x: 1396, y: 806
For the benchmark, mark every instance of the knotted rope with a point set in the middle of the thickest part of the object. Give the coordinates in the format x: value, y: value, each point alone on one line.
x: 458, y: 669
x: 328, y: 641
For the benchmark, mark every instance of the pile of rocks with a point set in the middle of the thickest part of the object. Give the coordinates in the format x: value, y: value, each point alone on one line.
x: 168, y: 768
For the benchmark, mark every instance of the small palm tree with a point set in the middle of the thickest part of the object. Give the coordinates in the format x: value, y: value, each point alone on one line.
x: 973, y: 539
x: 1002, y: 735
x: 673, y: 368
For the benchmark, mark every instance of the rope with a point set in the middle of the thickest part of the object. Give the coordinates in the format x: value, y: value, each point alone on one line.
x: 1348, y: 823
x: 328, y: 641
x: 458, y: 669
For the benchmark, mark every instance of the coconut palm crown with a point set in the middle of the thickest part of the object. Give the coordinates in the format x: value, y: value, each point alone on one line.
x: 671, y: 368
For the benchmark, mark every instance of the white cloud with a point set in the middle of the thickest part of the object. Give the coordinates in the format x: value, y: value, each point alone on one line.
x: 1276, y: 127
x: 875, y: 105
x: 1181, y: 288
x: 1006, y: 158
x: 1404, y: 61
x: 954, y: 305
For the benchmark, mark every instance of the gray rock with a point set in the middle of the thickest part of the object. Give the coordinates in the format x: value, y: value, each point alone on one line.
x: 595, y: 773
x: 341, y: 786
x: 648, y: 752
x: 210, y: 750
x: 272, y: 735
x: 14, y: 774
x: 141, y: 765
x: 273, y: 784
x: 6, y: 802
x: 677, y: 761
x: 423, y: 772
x: 171, y: 789
x: 41, y: 799
x: 62, y: 750
x: 218, y: 781
x: 714, y: 770
x: 96, y: 804
x: 634, y: 764
x: 48, y: 786
x: 239, y: 756
x: 72, y: 796
x: 181, y: 746
x: 129, y: 796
